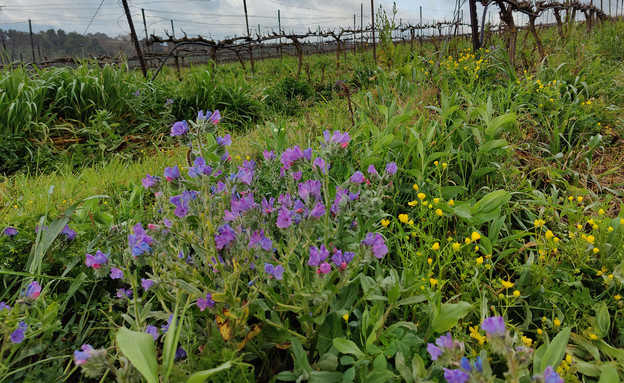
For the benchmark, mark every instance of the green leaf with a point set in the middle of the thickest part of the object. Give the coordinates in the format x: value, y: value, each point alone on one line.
x: 406, y: 373
x: 287, y: 376
x: 449, y: 315
x: 609, y: 374
x: 349, y: 375
x: 380, y: 363
x: 555, y: 351
x: 492, y: 145
x: 327, y: 362
x: 325, y: 377
x: 140, y: 350
x: 201, y: 376
x: 603, y: 320
x: 379, y: 376
x: 491, y: 202
x: 411, y: 300
x: 346, y: 346
x: 498, y: 123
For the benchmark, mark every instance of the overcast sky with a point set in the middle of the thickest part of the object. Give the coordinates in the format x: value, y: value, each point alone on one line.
x: 214, y: 18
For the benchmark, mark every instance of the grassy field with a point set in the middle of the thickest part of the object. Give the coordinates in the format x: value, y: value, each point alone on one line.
x: 448, y: 206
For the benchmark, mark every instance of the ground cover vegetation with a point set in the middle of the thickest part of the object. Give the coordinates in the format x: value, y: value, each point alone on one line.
x: 441, y: 216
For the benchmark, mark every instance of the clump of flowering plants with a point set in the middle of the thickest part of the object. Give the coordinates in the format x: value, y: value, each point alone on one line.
x: 258, y: 249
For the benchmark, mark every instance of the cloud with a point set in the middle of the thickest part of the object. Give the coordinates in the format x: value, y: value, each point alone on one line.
x: 215, y: 18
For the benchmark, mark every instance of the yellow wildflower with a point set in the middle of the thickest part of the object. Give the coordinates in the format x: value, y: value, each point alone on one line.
x: 579, y: 199
x: 433, y: 281
x: 601, y: 212
x: 516, y: 293
x: 610, y: 229
x: 475, y: 236
x: 527, y: 341
x: 479, y: 261
x: 436, y: 246
x: 549, y: 234
x: 403, y: 218
x: 436, y: 200
x: 421, y: 196
x: 570, y: 198
x: 593, y: 336
x: 467, y: 241
x: 568, y: 359
x: 410, y: 222
x: 507, y: 284
x: 385, y: 222
x: 540, y: 331
x: 345, y: 317
x: 596, y: 250
x: 439, y: 212
x: 415, y: 187
x: 617, y: 297
x: 452, y: 203
x: 429, y: 261
x: 557, y: 322
x: 413, y: 203
x: 456, y: 246
x: 590, y: 239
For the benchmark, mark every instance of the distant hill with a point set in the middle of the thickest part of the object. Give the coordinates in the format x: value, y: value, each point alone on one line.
x: 52, y: 44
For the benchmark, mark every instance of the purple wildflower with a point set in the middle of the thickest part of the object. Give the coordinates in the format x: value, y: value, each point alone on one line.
x: 211, y: 117
x: 434, y: 351
x: 69, y: 233
x: 267, y: 206
x: 357, y: 177
x: 153, y: 331
x: 310, y: 189
x: 284, y: 219
x: 291, y: 155
x: 165, y: 327
x: 116, y: 273
x: 146, y: 283
x: 10, y: 231
x: 203, y: 303
x: 377, y: 244
x: 180, y: 353
x: 225, y: 140
x: 341, y: 139
x: 243, y: 204
x: 341, y: 259
x: 181, y: 202
x: 322, y: 164
x: 123, y: 293
x: 297, y: 175
x: 4, y: 306
x: 33, y: 290
x: 17, y: 336
x: 372, y: 170
x: 258, y: 238
x: 276, y: 272
x: 318, y: 255
x: 551, y: 376
x: 199, y: 167
x: 456, y: 376
x: 139, y: 242
x: 391, y: 168
x: 149, y: 181
x: 325, y: 268
x: 494, y: 326
x: 97, y: 260
x: 318, y: 211
x: 136, y: 93
x: 172, y: 173
x: 180, y: 128
x: 225, y: 236
x: 269, y: 155
x: 168, y: 102
x: 82, y: 357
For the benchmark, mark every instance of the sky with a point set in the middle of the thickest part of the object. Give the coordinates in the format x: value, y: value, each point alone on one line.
x: 216, y: 19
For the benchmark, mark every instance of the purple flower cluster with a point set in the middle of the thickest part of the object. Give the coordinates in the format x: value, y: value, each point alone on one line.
x: 337, y: 138
x: 294, y: 154
x: 150, y: 181
x: 181, y: 202
x: 276, y: 272
x: 321, y: 164
x: 209, y: 117
x: 442, y: 344
x: 32, y: 290
x: 116, y: 273
x: 17, y: 336
x: 82, y: 357
x: 153, y: 331
x: 494, y: 326
x: 4, y: 306
x: 124, y: 293
x: 179, y: 128
x: 96, y: 261
x: 69, y: 233
x: 224, y: 236
x: 10, y: 232
x: 258, y: 238
x: 377, y: 244
x: 146, y: 283
x: 317, y: 259
x: 203, y: 303
x: 172, y: 173
x: 225, y: 140
x: 140, y: 241
x: 199, y: 167
x: 341, y: 259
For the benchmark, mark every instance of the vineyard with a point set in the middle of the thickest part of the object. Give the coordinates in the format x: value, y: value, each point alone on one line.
x: 411, y: 203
